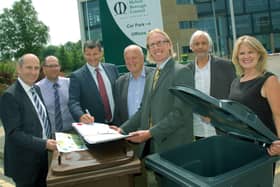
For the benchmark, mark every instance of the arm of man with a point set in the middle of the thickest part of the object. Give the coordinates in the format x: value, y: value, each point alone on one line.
x: 17, y: 131
x: 74, y: 98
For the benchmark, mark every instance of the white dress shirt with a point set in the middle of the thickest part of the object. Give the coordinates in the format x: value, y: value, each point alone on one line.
x: 202, y: 83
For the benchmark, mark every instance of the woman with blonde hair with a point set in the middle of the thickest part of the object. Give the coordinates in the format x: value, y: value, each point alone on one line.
x: 255, y: 87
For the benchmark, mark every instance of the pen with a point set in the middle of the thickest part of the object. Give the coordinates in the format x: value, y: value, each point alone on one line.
x: 87, y: 112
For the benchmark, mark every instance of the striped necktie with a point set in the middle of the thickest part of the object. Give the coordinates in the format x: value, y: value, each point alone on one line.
x: 41, y: 111
x: 57, y: 108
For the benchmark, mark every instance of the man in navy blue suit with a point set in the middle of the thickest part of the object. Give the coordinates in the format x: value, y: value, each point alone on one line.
x: 86, y: 91
x: 26, y: 124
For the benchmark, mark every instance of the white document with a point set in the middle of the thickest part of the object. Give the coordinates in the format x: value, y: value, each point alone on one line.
x: 97, y: 133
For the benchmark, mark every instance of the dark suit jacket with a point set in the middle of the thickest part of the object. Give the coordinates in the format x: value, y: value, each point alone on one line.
x: 221, y: 75
x: 84, y: 94
x: 171, y: 118
x: 24, y: 146
x: 121, y: 92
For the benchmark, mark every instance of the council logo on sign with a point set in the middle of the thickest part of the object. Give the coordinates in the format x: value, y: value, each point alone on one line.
x: 120, y: 8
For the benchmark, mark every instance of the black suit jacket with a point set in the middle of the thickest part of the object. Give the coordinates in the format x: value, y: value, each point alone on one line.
x: 121, y: 92
x: 24, y: 146
x: 84, y: 94
x: 221, y: 76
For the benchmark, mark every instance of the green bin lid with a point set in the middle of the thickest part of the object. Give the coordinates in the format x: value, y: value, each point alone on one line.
x: 228, y: 116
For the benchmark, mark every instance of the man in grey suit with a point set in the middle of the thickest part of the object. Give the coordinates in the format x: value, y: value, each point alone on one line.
x: 27, y: 129
x: 162, y: 121
x: 212, y: 75
x: 85, y: 87
x: 129, y: 87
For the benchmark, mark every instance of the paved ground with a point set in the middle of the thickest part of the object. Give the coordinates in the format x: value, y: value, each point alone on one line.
x: 273, y: 65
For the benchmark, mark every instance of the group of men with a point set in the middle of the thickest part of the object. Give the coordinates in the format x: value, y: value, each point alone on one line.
x: 138, y: 102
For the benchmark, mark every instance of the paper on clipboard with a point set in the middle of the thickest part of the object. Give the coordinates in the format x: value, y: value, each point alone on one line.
x: 97, y: 133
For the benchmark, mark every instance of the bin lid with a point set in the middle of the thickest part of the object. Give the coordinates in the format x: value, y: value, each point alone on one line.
x: 227, y: 115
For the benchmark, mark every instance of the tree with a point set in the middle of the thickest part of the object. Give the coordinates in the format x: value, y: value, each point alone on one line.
x: 20, y: 31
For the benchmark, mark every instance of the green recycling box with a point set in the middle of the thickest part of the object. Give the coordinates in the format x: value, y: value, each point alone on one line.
x: 236, y: 159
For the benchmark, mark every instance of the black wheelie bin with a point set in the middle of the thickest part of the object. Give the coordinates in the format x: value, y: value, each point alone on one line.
x: 237, y: 158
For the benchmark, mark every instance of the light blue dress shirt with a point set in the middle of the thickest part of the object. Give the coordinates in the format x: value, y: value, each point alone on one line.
x: 47, y: 91
x: 135, y: 92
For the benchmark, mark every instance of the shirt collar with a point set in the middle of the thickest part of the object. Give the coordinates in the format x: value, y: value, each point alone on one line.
x: 162, y: 65
x: 93, y: 68
x: 205, y: 67
x: 25, y: 86
x: 142, y: 75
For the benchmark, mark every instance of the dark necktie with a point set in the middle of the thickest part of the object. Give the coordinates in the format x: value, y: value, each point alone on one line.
x: 103, y: 94
x: 41, y: 111
x: 57, y: 109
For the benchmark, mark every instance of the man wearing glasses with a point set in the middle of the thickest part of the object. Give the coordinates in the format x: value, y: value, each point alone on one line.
x: 54, y: 89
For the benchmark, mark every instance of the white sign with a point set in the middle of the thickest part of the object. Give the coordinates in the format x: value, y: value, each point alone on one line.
x: 136, y: 17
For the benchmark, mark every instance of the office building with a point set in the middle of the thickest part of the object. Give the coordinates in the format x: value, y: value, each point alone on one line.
x: 259, y: 18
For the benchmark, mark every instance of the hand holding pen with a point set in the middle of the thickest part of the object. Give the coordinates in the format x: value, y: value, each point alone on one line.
x: 87, y: 118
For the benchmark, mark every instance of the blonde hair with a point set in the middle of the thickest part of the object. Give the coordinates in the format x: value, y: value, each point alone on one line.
x: 167, y: 38
x: 256, y: 45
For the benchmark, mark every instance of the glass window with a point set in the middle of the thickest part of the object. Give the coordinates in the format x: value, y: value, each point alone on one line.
x: 219, y: 5
x: 275, y: 17
x: 203, y: 8
x: 274, y: 4
x: 243, y: 24
x: 185, y: 24
x: 277, y: 43
x: 256, y: 5
x: 261, y: 22
x: 91, y: 13
x: 264, y: 39
x: 181, y: 2
x: 238, y: 6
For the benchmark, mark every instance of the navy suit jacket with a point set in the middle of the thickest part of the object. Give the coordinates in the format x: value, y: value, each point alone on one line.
x: 24, y: 146
x: 222, y: 73
x: 84, y: 94
x: 121, y: 91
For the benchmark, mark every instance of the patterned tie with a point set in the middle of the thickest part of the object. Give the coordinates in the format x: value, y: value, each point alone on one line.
x: 104, y: 96
x: 155, y: 80
x: 156, y: 77
x: 41, y: 111
x: 57, y: 109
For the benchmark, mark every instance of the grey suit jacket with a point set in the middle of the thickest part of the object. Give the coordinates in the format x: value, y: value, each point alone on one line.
x: 121, y: 92
x: 171, y: 118
x: 84, y: 94
x: 221, y: 76
x: 24, y: 145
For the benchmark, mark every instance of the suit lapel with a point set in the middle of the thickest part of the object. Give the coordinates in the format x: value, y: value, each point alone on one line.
x: 124, y: 94
x: 25, y: 99
x: 88, y: 79
x: 163, y: 74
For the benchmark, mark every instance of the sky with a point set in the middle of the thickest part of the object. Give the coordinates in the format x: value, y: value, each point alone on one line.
x: 61, y: 16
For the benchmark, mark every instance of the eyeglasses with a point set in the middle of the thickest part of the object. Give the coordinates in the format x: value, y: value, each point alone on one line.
x: 52, y: 65
x: 158, y: 44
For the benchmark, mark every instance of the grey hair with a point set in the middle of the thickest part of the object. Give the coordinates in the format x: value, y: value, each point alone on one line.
x: 201, y: 33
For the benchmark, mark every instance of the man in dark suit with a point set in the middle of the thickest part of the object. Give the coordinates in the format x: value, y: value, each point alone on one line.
x: 129, y: 87
x: 27, y: 133
x: 91, y: 87
x: 212, y: 75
